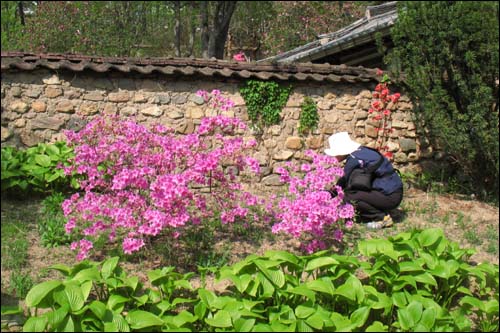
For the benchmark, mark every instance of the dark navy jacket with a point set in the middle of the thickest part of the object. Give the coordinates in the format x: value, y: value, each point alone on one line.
x: 386, y: 180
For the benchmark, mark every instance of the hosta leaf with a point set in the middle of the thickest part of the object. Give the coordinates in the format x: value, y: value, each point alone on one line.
x: 303, y: 327
x: 98, y: 308
x: 57, y: 316
x: 304, y: 311
x: 220, y: 319
x: 244, y: 325
x: 184, y: 317
x: 359, y: 316
x: 377, y: 326
x: 109, y: 266
x: 120, y: 323
x: 35, y: 324
x: 428, y: 318
x: 409, y: 266
x: 115, y: 300
x: 323, y: 285
x: 399, y: 299
x: 430, y: 236
x: 65, y: 270
x: 38, y: 292
x: 282, y: 256
x: 139, y: 319
x: 474, y: 302
x: 320, y: 262
x: 426, y: 278
x: 42, y: 160
x: 304, y: 291
x: 74, y: 295
x: 88, y: 274
x: 374, y: 246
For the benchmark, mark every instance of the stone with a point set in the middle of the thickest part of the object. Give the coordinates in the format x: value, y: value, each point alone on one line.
x: 53, y: 92
x: 331, y: 117
x: 407, y: 144
x: 21, y: 122
x: 152, y: 111
x: 175, y: 114
x: 94, y: 96
x: 272, y: 180
x: 314, y: 142
x: 53, y: 80
x: 293, y: 142
x: 195, y: 113
x: 16, y: 91
x: 45, y: 122
x: 275, y: 130
x: 196, y: 99
x: 178, y: 98
x: 38, y: 106
x: 33, y: 93
x: 128, y: 111
x: 119, y: 97
x: 87, y: 109
x: 343, y: 107
x: 283, y: 155
x: 400, y: 158
x: 140, y: 98
x: 399, y: 124
x: 6, y: 133
x: 19, y: 107
x: 65, y: 106
x: 110, y: 109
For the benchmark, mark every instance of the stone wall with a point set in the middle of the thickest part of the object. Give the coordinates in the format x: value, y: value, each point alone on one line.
x: 37, y: 105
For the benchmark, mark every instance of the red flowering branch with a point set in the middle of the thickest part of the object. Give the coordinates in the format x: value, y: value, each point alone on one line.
x: 381, y: 112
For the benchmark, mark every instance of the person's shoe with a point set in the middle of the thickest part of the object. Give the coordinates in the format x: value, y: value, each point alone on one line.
x: 385, y: 223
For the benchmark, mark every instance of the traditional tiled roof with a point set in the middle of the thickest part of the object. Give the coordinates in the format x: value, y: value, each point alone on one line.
x: 188, y: 66
x: 378, y: 19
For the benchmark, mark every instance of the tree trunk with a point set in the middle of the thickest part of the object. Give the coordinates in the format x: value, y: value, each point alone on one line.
x: 218, y: 35
x: 204, y: 29
x: 20, y: 8
x: 177, y: 28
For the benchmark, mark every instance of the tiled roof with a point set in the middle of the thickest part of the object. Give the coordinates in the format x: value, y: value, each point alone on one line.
x: 378, y: 19
x: 189, y: 67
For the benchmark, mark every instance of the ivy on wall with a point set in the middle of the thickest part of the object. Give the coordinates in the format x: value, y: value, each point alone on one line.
x: 264, y: 101
x: 309, y: 117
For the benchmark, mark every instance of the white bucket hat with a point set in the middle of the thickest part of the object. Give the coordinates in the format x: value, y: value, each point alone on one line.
x: 341, y: 144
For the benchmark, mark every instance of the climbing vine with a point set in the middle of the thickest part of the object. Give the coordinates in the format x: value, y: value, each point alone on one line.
x: 309, y: 117
x: 264, y: 101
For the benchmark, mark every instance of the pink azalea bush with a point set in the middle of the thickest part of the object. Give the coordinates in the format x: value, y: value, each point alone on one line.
x: 309, y: 209
x: 139, y: 181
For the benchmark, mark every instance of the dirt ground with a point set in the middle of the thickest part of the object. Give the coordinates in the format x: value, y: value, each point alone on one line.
x: 471, y: 223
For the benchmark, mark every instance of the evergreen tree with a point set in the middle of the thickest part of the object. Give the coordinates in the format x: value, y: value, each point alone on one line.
x: 448, y: 52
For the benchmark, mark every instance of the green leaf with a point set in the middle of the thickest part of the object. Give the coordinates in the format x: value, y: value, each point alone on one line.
x: 428, y: 318
x: 244, y: 325
x: 359, y: 316
x: 40, y: 291
x: 57, y: 316
x: 377, y: 326
x: 35, y: 324
x: 320, y: 262
x: 430, y: 236
x: 109, y: 266
x: 75, y: 296
x: 304, y: 311
x: 323, y: 285
x: 304, y: 291
x: 98, y: 308
x: 220, y: 319
x: 139, y: 319
x: 43, y: 160
x: 115, y: 300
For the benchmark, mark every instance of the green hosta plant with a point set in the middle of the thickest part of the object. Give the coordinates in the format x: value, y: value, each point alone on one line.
x: 37, y: 168
x: 415, y: 281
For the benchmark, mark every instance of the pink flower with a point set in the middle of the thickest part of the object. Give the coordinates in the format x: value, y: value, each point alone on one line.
x: 239, y: 57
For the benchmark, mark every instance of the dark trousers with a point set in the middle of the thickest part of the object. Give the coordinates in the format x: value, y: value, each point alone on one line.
x: 373, y: 205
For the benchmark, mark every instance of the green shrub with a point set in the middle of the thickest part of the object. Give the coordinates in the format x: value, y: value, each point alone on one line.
x: 36, y: 169
x: 415, y: 281
x: 448, y: 51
